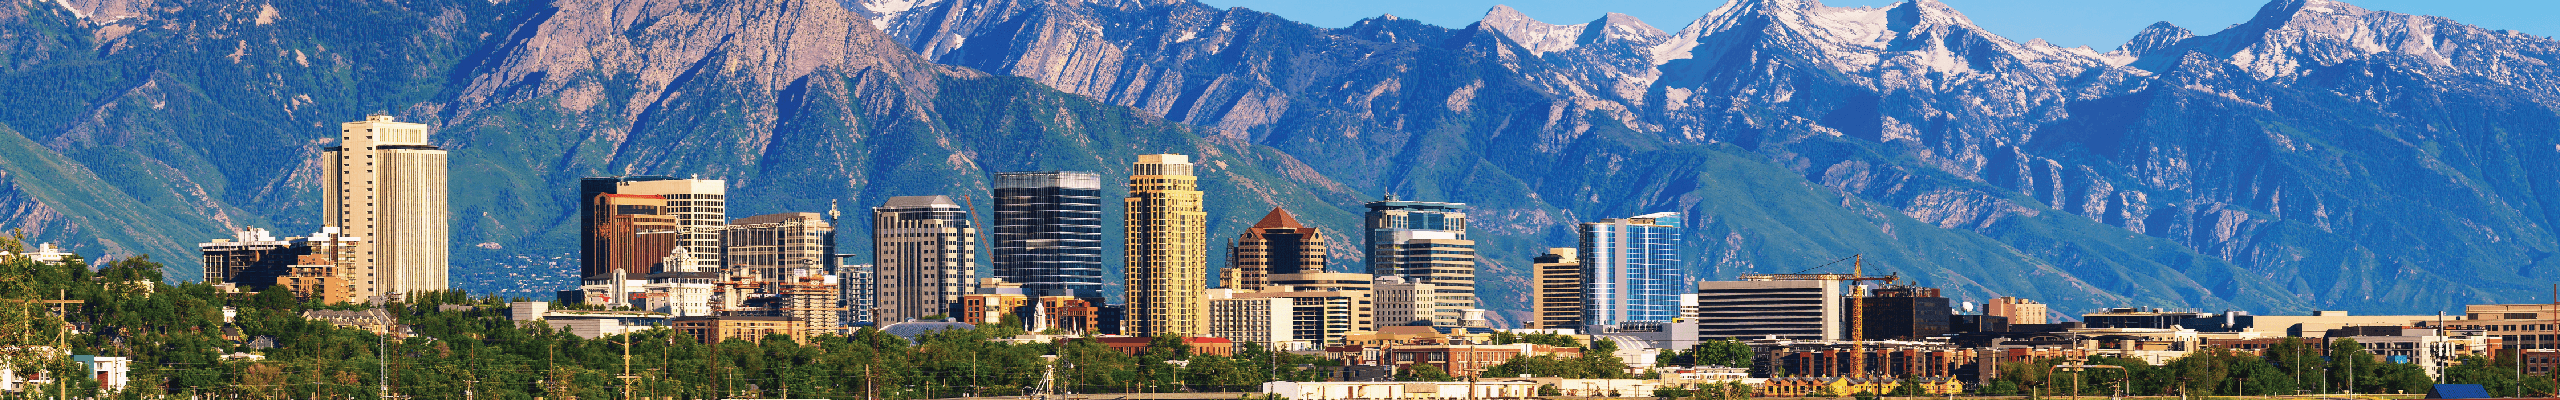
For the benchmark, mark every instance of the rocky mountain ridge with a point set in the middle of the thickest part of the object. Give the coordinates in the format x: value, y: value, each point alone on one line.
x: 2188, y: 144
x: 2320, y: 156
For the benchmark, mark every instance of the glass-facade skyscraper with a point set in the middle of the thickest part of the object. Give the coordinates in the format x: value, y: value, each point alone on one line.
x: 1425, y: 242
x: 1631, y: 270
x: 1048, y: 232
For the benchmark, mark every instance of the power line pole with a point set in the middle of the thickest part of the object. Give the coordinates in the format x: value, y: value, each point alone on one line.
x: 627, y: 377
x: 61, y: 342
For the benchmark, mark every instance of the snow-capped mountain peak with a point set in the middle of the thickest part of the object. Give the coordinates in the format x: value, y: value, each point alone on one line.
x: 2289, y: 37
x: 1541, y: 38
x: 1622, y: 28
x: 2159, y: 35
x: 1919, y: 35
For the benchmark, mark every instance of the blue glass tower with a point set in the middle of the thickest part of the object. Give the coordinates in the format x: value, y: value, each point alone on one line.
x: 1631, y: 270
x: 1048, y: 232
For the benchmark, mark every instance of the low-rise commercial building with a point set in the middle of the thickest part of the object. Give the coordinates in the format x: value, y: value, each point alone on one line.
x: 2430, y: 349
x: 1199, y: 345
x: 1468, y: 360
x: 1596, y: 387
x: 715, y: 329
x: 1700, y: 375
x: 589, y: 324
x: 2518, y: 326
x: 1844, y: 386
x: 1264, y: 320
x: 1883, y: 358
x: 1401, y: 390
x: 679, y: 294
x: 1067, y: 314
x: 112, y: 373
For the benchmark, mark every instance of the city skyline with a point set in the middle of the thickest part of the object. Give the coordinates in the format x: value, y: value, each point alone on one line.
x: 1286, y: 127
x: 939, y: 199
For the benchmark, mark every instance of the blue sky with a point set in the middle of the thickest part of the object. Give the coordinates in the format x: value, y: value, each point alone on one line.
x: 2100, y: 24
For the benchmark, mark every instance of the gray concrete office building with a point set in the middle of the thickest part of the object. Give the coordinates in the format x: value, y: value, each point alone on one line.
x: 928, y: 256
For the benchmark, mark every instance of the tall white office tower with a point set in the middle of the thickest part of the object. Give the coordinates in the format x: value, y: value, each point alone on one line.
x: 384, y: 183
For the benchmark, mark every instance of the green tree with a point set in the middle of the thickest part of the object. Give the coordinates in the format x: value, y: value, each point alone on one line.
x: 2350, y: 366
x: 2198, y: 373
x: 2000, y: 387
x: 2495, y: 374
x: 2396, y: 378
x: 2255, y: 376
x: 1536, y: 338
x: 2301, y: 363
x: 1909, y: 387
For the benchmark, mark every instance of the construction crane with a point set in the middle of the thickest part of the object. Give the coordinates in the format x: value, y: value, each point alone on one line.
x: 1857, y: 302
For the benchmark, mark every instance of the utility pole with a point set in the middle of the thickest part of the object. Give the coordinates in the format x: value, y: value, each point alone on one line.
x: 61, y: 341
x: 627, y: 377
x: 382, y: 360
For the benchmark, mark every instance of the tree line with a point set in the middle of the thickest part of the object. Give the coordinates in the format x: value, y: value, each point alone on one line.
x: 2290, y: 366
x: 466, y: 347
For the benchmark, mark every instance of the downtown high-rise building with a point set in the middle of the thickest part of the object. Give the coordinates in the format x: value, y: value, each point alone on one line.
x: 1167, y: 239
x: 1277, y: 245
x: 383, y: 182
x: 927, y: 257
x: 1048, y: 233
x: 778, y: 247
x: 1557, y: 303
x: 1783, y: 309
x: 1401, y: 302
x: 1426, y: 243
x: 2018, y: 311
x: 699, y: 208
x: 1631, y: 270
x: 628, y: 233
x: 318, y: 267
x: 861, y: 291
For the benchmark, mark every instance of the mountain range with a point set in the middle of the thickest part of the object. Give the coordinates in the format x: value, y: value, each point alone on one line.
x: 2319, y: 156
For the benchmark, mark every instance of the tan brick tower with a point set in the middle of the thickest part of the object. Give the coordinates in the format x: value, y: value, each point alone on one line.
x: 1168, y: 249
